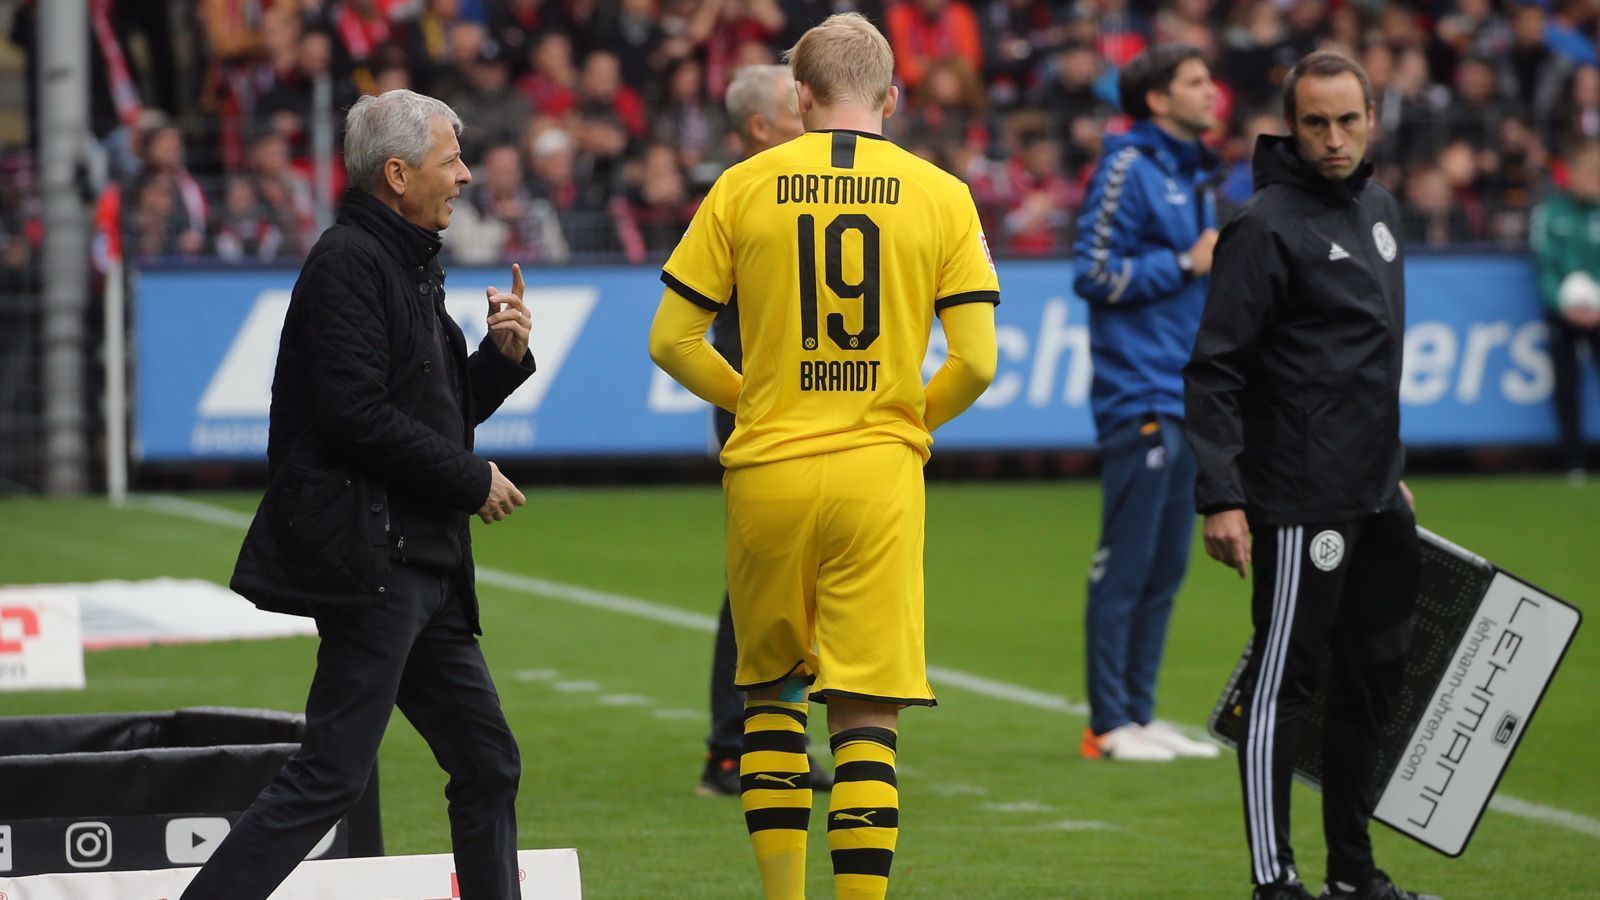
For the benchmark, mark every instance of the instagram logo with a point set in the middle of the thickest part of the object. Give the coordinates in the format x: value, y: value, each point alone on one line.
x: 88, y: 845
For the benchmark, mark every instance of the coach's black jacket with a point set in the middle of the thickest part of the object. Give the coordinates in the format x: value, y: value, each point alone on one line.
x: 1291, y: 396
x: 373, y: 407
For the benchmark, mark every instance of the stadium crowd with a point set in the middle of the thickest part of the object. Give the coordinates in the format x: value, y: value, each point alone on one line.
x: 593, y: 127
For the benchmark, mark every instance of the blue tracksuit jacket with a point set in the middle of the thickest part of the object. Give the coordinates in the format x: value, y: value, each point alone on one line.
x: 1147, y: 203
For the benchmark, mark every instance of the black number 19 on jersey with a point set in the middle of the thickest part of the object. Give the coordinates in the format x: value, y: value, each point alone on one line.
x: 866, y: 289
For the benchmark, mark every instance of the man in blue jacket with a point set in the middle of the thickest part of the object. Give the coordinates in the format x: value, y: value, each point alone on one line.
x: 1141, y: 261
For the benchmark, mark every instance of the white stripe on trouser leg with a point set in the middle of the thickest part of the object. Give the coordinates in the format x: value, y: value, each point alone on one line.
x: 1291, y: 595
x: 1253, y: 778
x: 1264, y: 706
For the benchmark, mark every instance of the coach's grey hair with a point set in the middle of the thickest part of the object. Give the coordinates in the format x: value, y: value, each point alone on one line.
x: 753, y: 91
x: 395, y: 124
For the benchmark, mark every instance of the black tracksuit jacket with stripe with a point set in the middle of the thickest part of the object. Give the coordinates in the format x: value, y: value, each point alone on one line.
x: 1291, y: 395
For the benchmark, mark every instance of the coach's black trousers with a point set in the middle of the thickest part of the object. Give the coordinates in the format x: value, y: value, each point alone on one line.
x: 1349, y: 586
x: 416, y: 651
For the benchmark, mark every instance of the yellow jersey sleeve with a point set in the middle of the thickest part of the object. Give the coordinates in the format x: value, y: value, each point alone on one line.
x: 701, y: 267
x: 968, y: 275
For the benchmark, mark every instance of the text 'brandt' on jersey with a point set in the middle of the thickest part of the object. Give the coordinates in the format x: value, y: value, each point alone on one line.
x: 863, y: 190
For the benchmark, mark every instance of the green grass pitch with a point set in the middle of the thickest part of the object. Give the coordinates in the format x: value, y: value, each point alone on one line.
x: 609, y: 707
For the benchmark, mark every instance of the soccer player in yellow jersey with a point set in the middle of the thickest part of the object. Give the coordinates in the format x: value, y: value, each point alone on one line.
x: 840, y: 248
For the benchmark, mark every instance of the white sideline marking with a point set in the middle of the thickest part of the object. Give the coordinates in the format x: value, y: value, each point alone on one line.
x: 952, y: 790
x: 1018, y: 806
x: 1077, y: 825
x: 625, y: 700
x: 536, y: 674
x: 576, y: 687
x: 645, y: 609
x: 1528, y: 810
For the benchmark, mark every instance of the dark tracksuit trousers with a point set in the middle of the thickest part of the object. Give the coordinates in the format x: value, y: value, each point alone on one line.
x: 1350, y: 586
x: 726, y: 740
x: 1565, y: 339
x: 415, y: 651
x: 1146, y: 521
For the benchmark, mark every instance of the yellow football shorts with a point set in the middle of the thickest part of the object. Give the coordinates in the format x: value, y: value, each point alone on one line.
x: 825, y: 573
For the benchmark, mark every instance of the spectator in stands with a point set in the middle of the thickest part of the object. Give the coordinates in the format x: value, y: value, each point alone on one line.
x: 1016, y: 33
x: 552, y: 79
x: 391, y: 78
x: 921, y: 32
x: 1566, y: 258
x: 1514, y: 181
x: 686, y: 119
x: 1040, y: 201
x: 634, y: 34
x: 155, y: 227
x: 285, y: 192
x: 1257, y: 56
x: 362, y: 28
x: 721, y: 29
x: 1571, y: 32
x: 1067, y: 91
x: 502, y: 218
x: 245, y: 232
x: 659, y: 204
x: 1238, y: 182
x: 464, y: 44
x: 1430, y: 217
x: 289, y: 104
x: 430, y: 37
x: 601, y: 89
x: 520, y: 24
x: 581, y: 208
x: 489, y: 101
x: 1577, y: 118
x: 949, y: 110
x: 1535, y: 72
x: 21, y: 221
x: 800, y: 15
x: 1473, y: 30
x: 1479, y: 105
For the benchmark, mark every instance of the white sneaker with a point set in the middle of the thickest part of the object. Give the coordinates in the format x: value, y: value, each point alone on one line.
x: 1165, y: 734
x: 1128, y: 743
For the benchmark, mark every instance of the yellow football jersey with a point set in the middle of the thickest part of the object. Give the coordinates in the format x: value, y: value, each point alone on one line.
x: 839, y: 247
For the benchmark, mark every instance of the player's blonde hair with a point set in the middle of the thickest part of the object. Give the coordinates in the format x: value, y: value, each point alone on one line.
x: 843, y: 60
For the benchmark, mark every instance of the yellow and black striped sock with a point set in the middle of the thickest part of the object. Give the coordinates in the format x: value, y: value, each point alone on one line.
x: 775, y: 786
x: 864, y: 812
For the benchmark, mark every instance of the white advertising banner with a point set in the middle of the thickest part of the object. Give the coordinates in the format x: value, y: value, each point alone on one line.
x: 41, y: 639
x: 545, y: 874
x: 1462, y: 744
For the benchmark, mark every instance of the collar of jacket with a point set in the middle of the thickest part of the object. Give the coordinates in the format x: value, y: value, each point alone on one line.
x: 1277, y: 161
x: 411, y: 244
x: 1175, y: 157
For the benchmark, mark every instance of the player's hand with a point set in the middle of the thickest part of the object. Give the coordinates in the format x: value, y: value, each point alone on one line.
x: 1202, y: 251
x: 509, y: 320
x: 504, y: 498
x: 1406, y: 493
x: 1227, y: 537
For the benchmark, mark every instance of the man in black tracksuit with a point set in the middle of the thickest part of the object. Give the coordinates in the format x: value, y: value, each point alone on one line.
x: 1292, y: 405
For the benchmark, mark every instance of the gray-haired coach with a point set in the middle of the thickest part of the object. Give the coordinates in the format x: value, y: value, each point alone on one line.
x: 364, y: 525
x: 1292, y: 403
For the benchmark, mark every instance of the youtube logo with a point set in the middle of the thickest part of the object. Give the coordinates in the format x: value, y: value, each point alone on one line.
x: 191, y: 841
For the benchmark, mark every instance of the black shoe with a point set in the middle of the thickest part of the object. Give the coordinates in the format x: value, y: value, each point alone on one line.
x: 1292, y: 890
x: 1376, y: 887
x: 720, y: 777
x: 821, y: 779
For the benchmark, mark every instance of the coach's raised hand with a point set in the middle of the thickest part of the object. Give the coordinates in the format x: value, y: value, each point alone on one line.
x: 509, y: 320
x: 1227, y: 536
x: 504, y: 498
